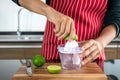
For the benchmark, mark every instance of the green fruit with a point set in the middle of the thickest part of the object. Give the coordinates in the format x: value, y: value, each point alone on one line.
x: 68, y: 36
x: 53, y: 69
x: 38, y: 61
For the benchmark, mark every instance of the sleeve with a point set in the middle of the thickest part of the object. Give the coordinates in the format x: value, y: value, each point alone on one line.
x: 16, y: 1
x: 112, y: 15
x: 48, y: 2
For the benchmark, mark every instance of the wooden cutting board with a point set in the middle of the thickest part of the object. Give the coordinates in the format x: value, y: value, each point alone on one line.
x: 89, y: 72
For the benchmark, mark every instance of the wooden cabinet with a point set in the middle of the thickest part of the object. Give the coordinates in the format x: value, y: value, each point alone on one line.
x: 118, y: 51
x: 19, y: 50
x: 28, y: 50
x: 112, y: 51
x: 11, y: 53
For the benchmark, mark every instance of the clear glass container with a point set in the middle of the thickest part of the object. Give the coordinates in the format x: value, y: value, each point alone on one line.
x: 69, y: 57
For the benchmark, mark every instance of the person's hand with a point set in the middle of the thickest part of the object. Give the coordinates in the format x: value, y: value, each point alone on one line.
x: 64, y: 25
x: 91, y: 50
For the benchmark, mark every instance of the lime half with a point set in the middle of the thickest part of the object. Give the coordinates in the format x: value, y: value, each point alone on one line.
x: 53, y: 69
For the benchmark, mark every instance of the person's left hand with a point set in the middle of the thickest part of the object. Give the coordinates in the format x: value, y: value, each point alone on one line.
x: 91, y: 50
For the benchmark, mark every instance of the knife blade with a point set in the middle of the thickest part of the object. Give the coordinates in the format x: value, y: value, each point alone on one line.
x: 28, y: 67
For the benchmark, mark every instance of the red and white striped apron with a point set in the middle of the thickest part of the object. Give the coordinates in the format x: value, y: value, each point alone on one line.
x: 88, y: 18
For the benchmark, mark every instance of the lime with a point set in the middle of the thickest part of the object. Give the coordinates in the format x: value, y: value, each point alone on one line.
x: 53, y: 69
x: 38, y: 60
x: 68, y: 36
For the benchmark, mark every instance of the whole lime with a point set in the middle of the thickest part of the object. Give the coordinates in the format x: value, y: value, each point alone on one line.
x: 53, y: 69
x: 68, y: 36
x: 38, y: 60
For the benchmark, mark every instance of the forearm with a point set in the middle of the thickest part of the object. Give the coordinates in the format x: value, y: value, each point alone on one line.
x: 60, y: 20
x: 107, y: 35
x: 37, y: 6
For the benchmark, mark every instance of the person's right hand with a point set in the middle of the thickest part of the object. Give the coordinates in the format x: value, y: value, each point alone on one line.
x: 64, y: 25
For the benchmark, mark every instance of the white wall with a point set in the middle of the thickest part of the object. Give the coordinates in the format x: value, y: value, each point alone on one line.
x: 29, y: 21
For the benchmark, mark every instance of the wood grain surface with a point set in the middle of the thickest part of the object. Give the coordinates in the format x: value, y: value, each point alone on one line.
x: 89, y: 72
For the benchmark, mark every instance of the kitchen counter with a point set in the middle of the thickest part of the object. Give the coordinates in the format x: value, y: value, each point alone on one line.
x: 116, y: 40
x: 21, y: 39
x: 28, y: 45
x: 28, y: 37
x: 8, y: 37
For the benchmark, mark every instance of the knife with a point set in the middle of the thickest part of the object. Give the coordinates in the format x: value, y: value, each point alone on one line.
x: 27, y: 63
x: 28, y: 67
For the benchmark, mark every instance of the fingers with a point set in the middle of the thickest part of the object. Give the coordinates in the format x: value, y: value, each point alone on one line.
x: 87, y: 44
x: 72, y: 31
x: 88, y: 51
x: 57, y: 28
x: 63, y: 27
x: 65, y: 30
x: 92, y: 50
x: 91, y: 57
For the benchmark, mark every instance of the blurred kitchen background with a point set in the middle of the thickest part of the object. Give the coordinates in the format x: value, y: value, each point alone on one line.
x: 29, y: 21
x: 21, y: 35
